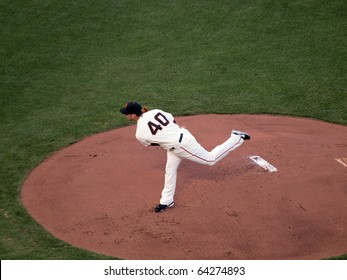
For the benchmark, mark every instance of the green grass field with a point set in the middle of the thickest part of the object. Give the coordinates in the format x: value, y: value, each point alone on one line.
x: 68, y: 66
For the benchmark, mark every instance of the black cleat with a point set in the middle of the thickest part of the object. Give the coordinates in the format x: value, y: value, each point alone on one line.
x: 243, y: 135
x: 162, y: 207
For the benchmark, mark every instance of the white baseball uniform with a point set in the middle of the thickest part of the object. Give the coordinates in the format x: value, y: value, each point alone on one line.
x: 157, y: 127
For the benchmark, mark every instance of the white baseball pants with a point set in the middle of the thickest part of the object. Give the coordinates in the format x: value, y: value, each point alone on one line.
x: 190, y: 149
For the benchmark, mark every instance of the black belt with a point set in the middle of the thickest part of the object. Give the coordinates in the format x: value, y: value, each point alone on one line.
x: 181, y: 137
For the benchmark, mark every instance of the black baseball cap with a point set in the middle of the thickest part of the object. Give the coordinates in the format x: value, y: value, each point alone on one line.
x: 132, y: 107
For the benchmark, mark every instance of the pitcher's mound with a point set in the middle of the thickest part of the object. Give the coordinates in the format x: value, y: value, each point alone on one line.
x: 99, y: 193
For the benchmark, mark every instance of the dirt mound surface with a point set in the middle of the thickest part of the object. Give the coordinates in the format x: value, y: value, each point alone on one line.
x: 99, y: 193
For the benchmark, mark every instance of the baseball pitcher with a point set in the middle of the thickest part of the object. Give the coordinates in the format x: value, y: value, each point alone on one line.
x: 158, y: 128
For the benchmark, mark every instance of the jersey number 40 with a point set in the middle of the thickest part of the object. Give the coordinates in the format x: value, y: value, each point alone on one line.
x: 155, y: 127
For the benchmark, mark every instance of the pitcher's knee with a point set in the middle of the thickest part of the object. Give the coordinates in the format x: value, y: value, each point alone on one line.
x: 210, y: 163
x: 171, y: 169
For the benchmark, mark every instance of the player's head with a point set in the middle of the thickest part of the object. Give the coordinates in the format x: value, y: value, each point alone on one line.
x: 132, y: 108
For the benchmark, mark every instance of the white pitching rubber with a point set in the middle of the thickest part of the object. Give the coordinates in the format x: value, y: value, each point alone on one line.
x: 263, y: 163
